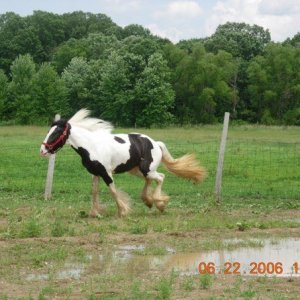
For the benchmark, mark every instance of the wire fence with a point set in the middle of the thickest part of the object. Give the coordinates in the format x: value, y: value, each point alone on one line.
x: 252, y: 169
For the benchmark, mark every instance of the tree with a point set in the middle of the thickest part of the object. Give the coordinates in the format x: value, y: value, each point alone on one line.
x: 79, y: 24
x: 3, y: 94
x: 20, y: 104
x: 274, y: 83
x: 239, y: 39
x: 50, y: 31
x: 294, y: 41
x: 66, y: 51
x: 49, y: 95
x: 99, y: 46
x: 76, y: 78
x: 137, y: 30
x: 17, y: 37
x: 115, y: 91
x: 258, y: 80
x: 93, y: 47
x: 142, y: 46
x: 204, y: 86
x: 154, y: 94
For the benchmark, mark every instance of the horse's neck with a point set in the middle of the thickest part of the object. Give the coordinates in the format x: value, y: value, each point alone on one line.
x: 80, y: 137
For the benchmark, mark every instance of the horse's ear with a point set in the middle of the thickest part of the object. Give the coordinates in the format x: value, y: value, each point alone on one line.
x: 60, y: 123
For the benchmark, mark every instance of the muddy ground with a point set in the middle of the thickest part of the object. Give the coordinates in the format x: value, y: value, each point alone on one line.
x: 122, y: 266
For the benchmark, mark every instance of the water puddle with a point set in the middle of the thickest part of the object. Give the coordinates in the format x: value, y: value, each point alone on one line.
x: 280, y: 258
x: 69, y: 271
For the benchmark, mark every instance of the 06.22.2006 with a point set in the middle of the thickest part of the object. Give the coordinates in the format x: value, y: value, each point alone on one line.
x: 254, y: 268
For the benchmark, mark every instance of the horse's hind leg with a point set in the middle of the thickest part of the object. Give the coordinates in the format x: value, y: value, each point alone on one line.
x: 160, y: 199
x: 122, y: 200
x: 147, y: 192
x: 96, y: 208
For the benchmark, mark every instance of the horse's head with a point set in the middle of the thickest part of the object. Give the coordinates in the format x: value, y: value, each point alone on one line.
x: 56, y: 137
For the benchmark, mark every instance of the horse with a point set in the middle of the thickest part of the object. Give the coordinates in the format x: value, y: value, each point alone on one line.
x: 104, y: 154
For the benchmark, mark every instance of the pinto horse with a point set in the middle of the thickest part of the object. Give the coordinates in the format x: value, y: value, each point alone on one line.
x: 104, y: 154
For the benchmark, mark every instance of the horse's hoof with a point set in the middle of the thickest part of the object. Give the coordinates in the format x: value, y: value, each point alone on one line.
x: 122, y: 215
x: 148, y: 204
x: 160, y: 205
x: 94, y: 214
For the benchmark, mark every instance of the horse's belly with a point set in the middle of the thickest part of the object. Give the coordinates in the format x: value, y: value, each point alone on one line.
x: 128, y: 165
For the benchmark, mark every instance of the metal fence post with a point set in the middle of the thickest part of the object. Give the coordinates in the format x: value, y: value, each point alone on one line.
x: 51, y: 164
x: 218, y: 186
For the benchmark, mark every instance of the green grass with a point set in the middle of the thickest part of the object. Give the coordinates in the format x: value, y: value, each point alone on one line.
x: 261, y: 173
x: 206, y: 281
x: 260, y: 163
x: 261, y: 197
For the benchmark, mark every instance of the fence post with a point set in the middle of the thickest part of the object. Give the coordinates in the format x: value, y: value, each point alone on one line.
x: 51, y: 163
x: 218, y: 186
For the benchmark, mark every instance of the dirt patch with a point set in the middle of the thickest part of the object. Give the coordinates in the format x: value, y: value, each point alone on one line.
x: 77, y: 267
x: 102, y: 265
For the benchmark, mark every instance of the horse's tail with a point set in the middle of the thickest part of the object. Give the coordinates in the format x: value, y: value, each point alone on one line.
x: 185, y: 166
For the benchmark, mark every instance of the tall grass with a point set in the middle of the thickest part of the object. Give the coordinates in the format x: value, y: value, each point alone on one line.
x: 260, y: 163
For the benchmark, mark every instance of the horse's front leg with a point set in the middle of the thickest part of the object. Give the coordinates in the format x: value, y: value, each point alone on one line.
x: 122, y: 200
x: 96, y: 208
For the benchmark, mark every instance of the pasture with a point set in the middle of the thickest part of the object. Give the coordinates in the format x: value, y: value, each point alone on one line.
x: 41, y: 241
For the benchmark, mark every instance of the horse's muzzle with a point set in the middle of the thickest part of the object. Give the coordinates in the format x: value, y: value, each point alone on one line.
x: 44, y: 152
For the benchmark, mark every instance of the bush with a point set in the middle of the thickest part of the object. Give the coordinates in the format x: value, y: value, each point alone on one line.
x: 292, y: 117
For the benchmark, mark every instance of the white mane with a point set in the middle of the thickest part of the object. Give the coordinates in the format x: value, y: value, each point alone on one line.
x: 82, y: 119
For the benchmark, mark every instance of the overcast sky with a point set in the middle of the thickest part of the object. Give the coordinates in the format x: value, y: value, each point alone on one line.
x: 178, y: 19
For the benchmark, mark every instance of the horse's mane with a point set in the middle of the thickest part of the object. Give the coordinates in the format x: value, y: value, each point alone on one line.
x: 82, y: 119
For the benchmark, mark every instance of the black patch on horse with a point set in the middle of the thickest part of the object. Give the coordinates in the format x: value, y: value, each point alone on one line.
x: 61, y: 124
x: 59, y: 136
x: 93, y: 166
x: 119, y: 140
x: 140, y: 155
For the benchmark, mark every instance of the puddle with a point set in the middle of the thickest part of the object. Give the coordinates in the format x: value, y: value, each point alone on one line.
x: 269, y: 258
x: 266, y: 260
x: 69, y: 271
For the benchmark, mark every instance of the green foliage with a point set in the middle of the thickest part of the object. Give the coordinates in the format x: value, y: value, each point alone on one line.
x: 17, y: 37
x: 31, y: 228
x: 115, y: 90
x: 135, y: 29
x: 76, y: 78
x: 132, y: 78
x: 139, y: 228
x: 292, y: 117
x: 49, y: 94
x: 3, y: 93
x: 20, y: 104
x: 274, y: 84
x: 206, y: 281
x: 34, y: 96
x: 202, y: 86
x: 248, y: 294
x: 154, y: 93
x: 164, y: 287
x: 239, y: 39
x: 66, y: 51
x: 58, y: 228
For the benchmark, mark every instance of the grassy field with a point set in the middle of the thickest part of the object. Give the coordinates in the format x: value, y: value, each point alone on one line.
x: 261, y: 198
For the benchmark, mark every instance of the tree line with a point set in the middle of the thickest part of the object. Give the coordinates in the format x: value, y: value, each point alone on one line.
x: 52, y: 63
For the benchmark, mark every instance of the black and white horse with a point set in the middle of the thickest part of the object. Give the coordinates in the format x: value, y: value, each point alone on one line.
x: 104, y: 154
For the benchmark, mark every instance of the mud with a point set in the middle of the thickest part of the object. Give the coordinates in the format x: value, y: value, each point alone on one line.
x: 270, y: 257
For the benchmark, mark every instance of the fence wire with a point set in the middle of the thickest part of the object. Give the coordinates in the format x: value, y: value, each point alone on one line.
x: 252, y: 169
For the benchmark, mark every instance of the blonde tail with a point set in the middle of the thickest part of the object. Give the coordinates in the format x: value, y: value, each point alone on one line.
x: 185, y: 166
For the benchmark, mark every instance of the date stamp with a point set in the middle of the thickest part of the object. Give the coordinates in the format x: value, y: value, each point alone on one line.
x: 253, y: 268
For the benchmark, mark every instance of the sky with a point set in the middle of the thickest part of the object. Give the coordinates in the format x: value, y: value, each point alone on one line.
x: 178, y: 19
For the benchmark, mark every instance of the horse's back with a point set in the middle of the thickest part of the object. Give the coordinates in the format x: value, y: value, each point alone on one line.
x: 144, y: 152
